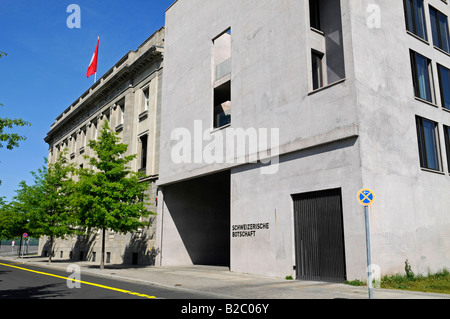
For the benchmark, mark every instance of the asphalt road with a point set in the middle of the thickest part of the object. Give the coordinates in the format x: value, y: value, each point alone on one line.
x: 18, y: 281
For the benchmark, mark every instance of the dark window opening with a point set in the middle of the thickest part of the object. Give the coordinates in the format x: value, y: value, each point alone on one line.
x: 447, y: 143
x: 317, y: 69
x: 422, y: 76
x: 328, y: 58
x: 415, y: 18
x: 222, y: 105
x: 428, y: 144
x: 444, y: 85
x: 144, y: 148
x: 134, y: 258
x: 439, y: 28
x: 314, y: 14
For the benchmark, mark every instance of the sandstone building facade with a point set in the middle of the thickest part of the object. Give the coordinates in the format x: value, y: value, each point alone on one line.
x: 128, y: 96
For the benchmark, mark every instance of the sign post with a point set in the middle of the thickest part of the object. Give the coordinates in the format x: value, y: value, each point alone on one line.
x: 366, y: 197
x: 25, y: 235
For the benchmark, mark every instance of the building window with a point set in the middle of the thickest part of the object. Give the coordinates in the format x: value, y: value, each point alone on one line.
x: 222, y: 105
x: 222, y: 55
x: 314, y: 14
x: 83, y: 139
x: 428, y: 144
x: 222, y: 80
x: 120, y: 116
x: 107, y: 115
x: 327, y: 50
x: 146, y: 93
x: 121, y: 113
x: 444, y: 85
x: 95, y: 130
x: 439, y: 28
x: 447, y: 144
x: 317, y: 69
x: 143, y: 158
x: 415, y: 18
x: 74, y: 145
x: 422, y: 77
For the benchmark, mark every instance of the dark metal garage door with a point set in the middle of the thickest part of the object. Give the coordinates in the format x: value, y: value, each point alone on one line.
x: 319, y: 236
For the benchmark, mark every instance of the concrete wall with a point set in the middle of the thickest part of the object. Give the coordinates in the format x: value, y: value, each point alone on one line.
x: 270, y: 76
x: 358, y: 132
x: 410, y: 218
x: 258, y: 198
x: 271, y: 88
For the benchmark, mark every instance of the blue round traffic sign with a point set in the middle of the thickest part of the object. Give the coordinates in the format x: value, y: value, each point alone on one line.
x: 366, y: 197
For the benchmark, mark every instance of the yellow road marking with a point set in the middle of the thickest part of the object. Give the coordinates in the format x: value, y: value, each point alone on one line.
x: 83, y: 282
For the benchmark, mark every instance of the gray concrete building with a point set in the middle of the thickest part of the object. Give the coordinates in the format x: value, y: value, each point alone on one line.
x: 276, y: 113
x: 128, y: 96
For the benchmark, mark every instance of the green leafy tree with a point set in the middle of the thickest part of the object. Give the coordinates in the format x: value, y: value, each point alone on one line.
x: 111, y: 196
x: 49, y: 201
x: 13, y: 220
x: 10, y: 139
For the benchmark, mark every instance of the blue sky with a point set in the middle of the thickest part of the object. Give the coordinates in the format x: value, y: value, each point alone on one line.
x: 45, y: 70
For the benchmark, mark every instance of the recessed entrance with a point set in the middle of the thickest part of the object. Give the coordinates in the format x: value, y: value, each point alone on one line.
x: 197, y: 221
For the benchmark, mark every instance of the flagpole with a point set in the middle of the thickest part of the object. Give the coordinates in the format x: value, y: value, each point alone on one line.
x: 95, y: 76
x: 93, y: 64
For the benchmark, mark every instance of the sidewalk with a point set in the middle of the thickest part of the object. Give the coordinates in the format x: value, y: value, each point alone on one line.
x: 219, y: 282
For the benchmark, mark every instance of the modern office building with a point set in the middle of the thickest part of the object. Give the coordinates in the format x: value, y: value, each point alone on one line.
x: 128, y: 96
x: 276, y: 113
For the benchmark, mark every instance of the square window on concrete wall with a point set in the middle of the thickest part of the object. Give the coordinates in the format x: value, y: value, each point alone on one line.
x: 428, y: 138
x: 444, y: 85
x: 415, y: 18
x: 447, y: 144
x: 317, y: 69
x: 439, y: 28
x: 422, y: 77
x: 222, y: 79
x: 328, y: 44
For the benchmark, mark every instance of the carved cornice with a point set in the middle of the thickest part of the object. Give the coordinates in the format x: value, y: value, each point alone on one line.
x: 110, y: 86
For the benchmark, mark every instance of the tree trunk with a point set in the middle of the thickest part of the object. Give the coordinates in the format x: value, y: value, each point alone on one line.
x: 20, y: 247
x: 51, y: 250
x: 102, y: 259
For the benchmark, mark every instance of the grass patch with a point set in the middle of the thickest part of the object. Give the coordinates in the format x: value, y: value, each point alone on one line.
x: 437, y: 283
x: 356, y: 283
x: 434, y: 283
